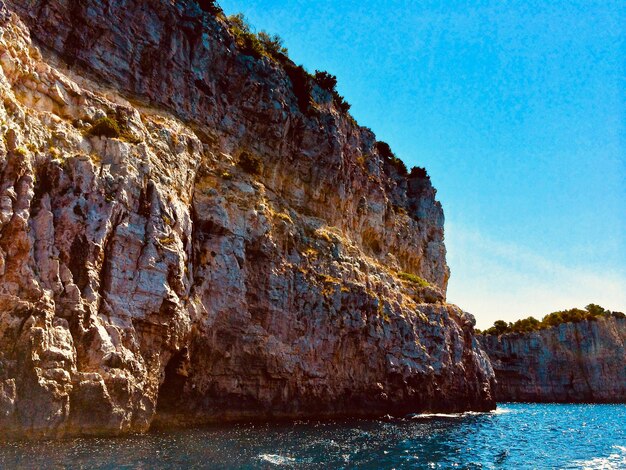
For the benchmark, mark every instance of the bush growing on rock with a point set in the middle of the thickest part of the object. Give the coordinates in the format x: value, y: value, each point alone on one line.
x: 264, y: 44
x: 341, y: 103
x: 526, y: 325
x: 419, y: 172
x: 209, y: 6
x: 414, y: 279
x: 21, y: 152
x: 245, y: 39
x: 499, y: 327
x: 384, y: 150
x: 105, y: 127
x: 268, y: 45
x: 273, y: 45
x: 328, y: 82
x: 112, y: 129
x: 257, y: 45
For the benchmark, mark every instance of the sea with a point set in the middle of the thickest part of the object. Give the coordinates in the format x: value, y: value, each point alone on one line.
x: 515, y: 436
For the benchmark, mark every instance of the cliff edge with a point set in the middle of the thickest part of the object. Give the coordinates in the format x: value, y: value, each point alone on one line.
x: 583, y: 362
x: 184, y: 239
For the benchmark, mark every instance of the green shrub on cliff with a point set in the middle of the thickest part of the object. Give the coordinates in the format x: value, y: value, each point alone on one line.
x: 273, y: 45
x: 268, y: 45
x: 525, y: 325
x: 328, y: 82
x: 384, y: 150
x: 419, y: 172
x: 209, y: 6
x: 245, y: 39
x: 341, y: 103
x: 414, y: 279
x: 111, y: 128
x: 499, y: 327
x: 105, y: 127
x: 574, y: 315
x: 21, y: 152
x: 263, y: 44
x: 259, y: 44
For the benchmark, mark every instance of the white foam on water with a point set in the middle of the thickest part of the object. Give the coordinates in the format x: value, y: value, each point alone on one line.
x: 615, y: 460
x: 497, y: 411
x: 277, y: 459
x: 437, y: 415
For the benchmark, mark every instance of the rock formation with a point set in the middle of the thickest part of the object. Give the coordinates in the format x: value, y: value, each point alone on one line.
x: 581, y: 362
x: 180, y: 242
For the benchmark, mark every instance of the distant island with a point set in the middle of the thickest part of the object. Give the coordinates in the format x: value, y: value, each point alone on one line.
x: 570, y: 356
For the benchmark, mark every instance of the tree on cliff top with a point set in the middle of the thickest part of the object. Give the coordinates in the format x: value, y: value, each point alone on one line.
x: 209, y: 6
x: 573, y: 315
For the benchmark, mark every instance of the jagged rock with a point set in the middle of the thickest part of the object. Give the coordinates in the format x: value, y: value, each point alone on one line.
x: 569, y: 363
x: 148, y: 276
x: 5, y: 14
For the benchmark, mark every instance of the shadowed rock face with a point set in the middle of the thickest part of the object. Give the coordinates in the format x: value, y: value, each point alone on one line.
x: 572, y: 363
x: 148, y: 277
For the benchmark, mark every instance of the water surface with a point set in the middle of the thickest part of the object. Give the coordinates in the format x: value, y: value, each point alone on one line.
x: 515, y: 436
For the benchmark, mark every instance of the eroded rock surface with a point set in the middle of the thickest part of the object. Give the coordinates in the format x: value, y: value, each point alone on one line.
x: 151, y: 276
x: 570, y: 363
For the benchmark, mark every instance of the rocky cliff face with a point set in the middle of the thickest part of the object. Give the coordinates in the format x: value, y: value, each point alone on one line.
x: 180, y: 243
x: 571, y: 363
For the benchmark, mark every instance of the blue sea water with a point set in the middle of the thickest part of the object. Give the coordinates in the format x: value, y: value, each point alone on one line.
x: 516, y: 436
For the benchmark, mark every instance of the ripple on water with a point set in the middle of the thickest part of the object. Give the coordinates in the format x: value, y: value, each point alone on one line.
x: 616, y: 459
x: 514, y: 436
x: 277, y: 459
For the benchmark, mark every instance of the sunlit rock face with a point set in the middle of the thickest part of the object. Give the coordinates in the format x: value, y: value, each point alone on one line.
x: 581, y: 362
x: 180, y: 243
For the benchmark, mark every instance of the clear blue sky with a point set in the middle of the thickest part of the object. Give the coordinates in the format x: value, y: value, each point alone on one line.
x: 518, y: 111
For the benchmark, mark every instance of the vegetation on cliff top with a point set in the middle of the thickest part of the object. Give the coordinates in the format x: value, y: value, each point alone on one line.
x: 209, y: 6
x: 263, y: 44
x: 271, y: 46
x: 573, y: 315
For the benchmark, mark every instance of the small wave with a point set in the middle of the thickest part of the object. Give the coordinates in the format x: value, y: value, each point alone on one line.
x: 437, y: 415
x: 277, y: 459
x: 614, y: 460
x: 497, y: 411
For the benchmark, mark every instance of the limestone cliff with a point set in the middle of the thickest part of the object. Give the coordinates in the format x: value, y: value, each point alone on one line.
x: 180, y: 242
x: 571, y: 363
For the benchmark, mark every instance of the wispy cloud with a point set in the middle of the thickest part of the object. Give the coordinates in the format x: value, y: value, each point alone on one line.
x: 498, y: 280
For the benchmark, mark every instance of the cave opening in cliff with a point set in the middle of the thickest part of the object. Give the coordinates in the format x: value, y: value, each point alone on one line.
x: 171, y: 390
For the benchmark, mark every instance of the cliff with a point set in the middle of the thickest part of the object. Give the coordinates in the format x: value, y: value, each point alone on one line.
x: 582, y: 362
x: 184, y: 240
